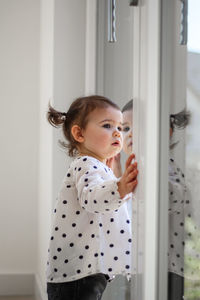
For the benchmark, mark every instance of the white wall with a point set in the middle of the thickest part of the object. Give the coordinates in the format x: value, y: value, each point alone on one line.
x: 69, y: 70
x: 19, y: 95
x: 42, y: 57
x: 62, y: 79
x: 45, y: 141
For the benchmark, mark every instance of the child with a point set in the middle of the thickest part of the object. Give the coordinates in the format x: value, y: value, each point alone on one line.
x: 91, y: 234
x: 127, y: 113
x: 178, y: 206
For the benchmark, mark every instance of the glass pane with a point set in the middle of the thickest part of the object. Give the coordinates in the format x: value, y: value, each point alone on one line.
x: 192, y: 221
x: 184, y: 163
x: 115, y: 81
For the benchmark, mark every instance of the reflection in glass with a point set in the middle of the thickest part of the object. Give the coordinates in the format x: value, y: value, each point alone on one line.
x: 192, y: 223
x: 185, y: 184
x: 178, y: 206
x: 127, y: 111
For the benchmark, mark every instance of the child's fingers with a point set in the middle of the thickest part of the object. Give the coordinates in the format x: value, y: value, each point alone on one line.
x: 117, y: 157
x: 109, y: 160
x: 132, y: 176
x: 131, y: 168
x: 129, y: 160
x: 132, y: 185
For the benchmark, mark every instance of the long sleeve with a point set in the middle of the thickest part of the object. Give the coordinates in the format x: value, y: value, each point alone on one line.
x: 177, y: 188
x: 97, y: 186
x: 83, y: 242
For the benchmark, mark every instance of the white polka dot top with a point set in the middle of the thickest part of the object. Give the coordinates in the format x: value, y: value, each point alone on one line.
x: 91, y: 230
x: 179, y: 206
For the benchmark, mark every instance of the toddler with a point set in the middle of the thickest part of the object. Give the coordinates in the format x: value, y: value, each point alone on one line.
x: 91, y: 233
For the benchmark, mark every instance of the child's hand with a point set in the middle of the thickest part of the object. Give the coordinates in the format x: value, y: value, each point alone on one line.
x: 115, y: 164
x: 128, y: 182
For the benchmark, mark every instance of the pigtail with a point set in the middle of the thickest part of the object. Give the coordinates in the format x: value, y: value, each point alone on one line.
x: 56, y: 118
x: 64, y: 120
x: 180, y: 120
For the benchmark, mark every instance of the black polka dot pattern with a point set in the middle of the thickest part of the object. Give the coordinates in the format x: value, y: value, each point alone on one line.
x: 178, y: 214
x: 91, y: 229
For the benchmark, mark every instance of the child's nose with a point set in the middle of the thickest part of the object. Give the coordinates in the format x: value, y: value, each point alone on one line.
x: 117, y: 133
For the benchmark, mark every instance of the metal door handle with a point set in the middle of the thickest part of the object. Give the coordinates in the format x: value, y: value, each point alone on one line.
x: 111, y: 21
x: 133, y: 2
x: 184, y: 23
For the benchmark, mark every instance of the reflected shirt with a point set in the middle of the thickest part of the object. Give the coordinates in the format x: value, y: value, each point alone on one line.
x: 179, y: 206
x: 91, y: 230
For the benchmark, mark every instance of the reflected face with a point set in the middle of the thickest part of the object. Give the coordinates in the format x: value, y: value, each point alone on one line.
x: 170, y: 132
x: 103, y: 133
x: 127, y: 132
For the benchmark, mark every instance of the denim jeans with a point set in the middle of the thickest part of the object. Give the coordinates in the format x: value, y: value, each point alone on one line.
x: 175, y: 286
x: 86, y: 288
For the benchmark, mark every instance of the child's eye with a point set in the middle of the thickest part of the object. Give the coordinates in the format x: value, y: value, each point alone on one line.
x: 107, y: 125
x: 126, y: 129
x: 119, y: 128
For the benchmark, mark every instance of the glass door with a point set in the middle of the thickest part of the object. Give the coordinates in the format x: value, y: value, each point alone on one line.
x: 130, y: 69
x: 179, y: 226
x: 114, y: 79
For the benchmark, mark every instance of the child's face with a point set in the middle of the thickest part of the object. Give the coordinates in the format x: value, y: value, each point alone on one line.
x: 103, y: 133
x: 127, y: 131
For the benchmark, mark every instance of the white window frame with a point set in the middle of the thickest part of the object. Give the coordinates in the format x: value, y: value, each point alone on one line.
x: 147, y: 109
x: 149, y: 138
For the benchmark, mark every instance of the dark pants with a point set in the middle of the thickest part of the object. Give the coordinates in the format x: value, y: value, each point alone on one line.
x: 87, y: 288
x: 175, y: 286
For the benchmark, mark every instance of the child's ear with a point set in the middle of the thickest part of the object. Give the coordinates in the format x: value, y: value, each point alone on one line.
x: 77, y: 133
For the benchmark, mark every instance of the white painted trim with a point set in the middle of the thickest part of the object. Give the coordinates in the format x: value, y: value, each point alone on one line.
x: 17, y: 284
x: 101, y: 21
x: 167, y: 36
x: 40, y: 294
x: 146, y: 93
x: 90, y: 51
x: 150, y: 95
x: 137, y: 221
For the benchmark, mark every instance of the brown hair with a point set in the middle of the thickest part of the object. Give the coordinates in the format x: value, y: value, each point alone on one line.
x: 180, y: 120
x: 128, y: 106
x: 78, y: 114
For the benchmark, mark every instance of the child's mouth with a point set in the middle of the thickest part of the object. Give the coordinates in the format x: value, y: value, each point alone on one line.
x: 117, y: 143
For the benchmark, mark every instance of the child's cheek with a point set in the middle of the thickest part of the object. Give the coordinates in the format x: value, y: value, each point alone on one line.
x: 103, y: 140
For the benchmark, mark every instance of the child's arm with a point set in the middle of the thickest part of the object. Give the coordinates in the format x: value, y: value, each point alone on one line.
x: 97, y: 190
x: 128, y: 182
